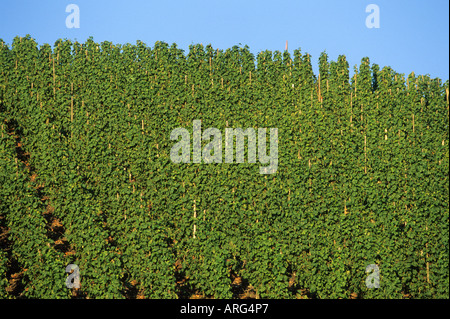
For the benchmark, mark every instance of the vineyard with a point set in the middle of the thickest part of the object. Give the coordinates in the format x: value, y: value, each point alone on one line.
x: 86, y: 176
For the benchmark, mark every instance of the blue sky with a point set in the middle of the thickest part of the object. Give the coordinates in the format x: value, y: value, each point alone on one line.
x: 413, y: 34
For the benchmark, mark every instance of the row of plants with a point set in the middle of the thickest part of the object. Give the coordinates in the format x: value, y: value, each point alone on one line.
x: 362, y: 173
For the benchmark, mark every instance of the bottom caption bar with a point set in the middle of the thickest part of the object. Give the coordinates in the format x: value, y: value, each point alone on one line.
x: 228, y: 308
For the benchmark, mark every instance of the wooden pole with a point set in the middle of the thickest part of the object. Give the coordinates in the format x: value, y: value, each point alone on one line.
x: 447, y: 92
x: 365, y: 154
x: 319, y: 90
x: 351, y: 108
x: 71, y: 103
x: 54, y: 77
x: 362, y: 113
x: 195, y: 216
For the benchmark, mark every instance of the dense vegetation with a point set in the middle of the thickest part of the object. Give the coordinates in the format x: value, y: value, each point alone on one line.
x: 86, y: 176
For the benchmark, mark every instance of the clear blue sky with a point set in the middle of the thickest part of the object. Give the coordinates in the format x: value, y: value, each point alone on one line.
x: 413, y: 34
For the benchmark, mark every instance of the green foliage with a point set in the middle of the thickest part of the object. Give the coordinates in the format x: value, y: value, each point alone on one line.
x: 362, y: 176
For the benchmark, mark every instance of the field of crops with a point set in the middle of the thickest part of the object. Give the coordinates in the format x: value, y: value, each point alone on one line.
x: 86, y: 176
